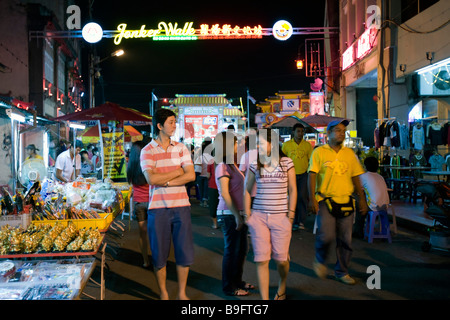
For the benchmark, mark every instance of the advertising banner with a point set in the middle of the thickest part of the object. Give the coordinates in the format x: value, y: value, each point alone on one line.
x: 317, y: 103
x: 200, y: 127
x: 113, y: 149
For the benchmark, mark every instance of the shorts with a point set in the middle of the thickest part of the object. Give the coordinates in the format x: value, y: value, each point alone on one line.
x: 270, y: 235
x: 140, y: 211
x: 165, y: 224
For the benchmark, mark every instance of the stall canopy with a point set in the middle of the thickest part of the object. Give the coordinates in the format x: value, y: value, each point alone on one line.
x: 112, y: 149
x: 318, y: 120
x: 290, y: 121
x: 91, y: 135
x: 109, y: 112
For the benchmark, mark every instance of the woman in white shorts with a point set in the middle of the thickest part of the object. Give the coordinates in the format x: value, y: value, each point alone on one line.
x: 271, y: 215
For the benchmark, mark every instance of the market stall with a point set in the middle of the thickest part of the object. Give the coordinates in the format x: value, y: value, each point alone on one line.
x: 55, y: 221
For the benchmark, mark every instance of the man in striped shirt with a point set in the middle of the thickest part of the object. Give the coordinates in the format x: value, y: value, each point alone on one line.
x: 167, y: 166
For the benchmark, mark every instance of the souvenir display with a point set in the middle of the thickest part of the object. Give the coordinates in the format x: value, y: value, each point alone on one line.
x: 46, y: 239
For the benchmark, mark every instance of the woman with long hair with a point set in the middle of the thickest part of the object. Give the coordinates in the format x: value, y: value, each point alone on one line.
x: 230, y: 183
x: 270, y: 216
x: 137, y: 179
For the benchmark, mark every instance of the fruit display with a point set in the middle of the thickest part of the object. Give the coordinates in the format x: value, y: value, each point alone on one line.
x: 48, y: 238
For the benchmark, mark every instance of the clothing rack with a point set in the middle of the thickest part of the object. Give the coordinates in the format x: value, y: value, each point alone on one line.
x: 383, y: 119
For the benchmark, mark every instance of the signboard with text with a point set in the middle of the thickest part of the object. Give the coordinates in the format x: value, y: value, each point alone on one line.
x: 114, y: 166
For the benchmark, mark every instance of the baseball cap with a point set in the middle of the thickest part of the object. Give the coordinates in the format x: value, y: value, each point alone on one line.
x: 32, y: 147
x: 334, y: 123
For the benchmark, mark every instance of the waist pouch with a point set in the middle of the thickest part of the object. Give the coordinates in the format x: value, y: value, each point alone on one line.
x: 340, y: 210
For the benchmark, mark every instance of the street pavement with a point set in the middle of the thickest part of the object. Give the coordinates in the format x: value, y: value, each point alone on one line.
x: 402, y: 270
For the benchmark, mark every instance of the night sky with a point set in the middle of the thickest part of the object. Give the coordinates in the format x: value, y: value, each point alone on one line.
x: 264, y: 66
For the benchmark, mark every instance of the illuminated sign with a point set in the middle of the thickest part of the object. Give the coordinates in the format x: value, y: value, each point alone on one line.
x: 164, y: 30
x: 172, y: 31
x: 348, y: 58
x: 92, y: 32
x: 360, y: 48
x: 366, y: 42
x: 282, y: 30
x: 317, y: 103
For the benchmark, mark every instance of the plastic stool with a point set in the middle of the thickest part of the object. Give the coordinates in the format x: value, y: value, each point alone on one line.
x: 197, y: 192
x: 384, y: 233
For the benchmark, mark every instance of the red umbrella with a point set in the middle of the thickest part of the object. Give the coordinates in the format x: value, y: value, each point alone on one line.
x: 318, y: 120
x: 108, y: 112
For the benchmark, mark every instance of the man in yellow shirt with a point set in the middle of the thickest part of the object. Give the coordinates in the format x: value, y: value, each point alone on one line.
x: 299, y: 151
x: 334, y: 172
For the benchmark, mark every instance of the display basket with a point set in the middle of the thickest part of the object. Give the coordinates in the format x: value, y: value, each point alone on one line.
x: 16, y: 220
x: 102, y: 224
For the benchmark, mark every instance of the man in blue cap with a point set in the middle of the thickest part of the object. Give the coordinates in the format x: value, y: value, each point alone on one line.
x: 334, y: 172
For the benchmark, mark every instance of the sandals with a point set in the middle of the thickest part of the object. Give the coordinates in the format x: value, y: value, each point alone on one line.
x: 280, y: 296
x: 239, y: 293
x: 248, y: 286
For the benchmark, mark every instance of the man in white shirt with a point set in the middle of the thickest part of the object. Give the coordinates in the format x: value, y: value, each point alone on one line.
x: 375, y: 188
x: 64, y: 165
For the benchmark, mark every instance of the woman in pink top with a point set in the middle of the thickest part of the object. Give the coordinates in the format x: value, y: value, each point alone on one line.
x: 230, y: 183
x: 136, y: 178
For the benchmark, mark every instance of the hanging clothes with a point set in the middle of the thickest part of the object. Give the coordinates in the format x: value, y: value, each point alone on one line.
x: 387, y: 135
x: 436, y: 161
x: 419, y: 161
x: 382, y: 132
x: 376, y: 138
x: 434, y: 134
x: 404, y: 137
x: 418, y: 137
x: 395, y: 161
x: 394, y: 131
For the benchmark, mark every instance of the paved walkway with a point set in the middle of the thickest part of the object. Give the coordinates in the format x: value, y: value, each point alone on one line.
x: 406, y: 271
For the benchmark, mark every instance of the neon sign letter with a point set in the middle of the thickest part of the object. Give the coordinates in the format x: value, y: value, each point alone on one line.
x: 348, y: 58
x: 168, y: 29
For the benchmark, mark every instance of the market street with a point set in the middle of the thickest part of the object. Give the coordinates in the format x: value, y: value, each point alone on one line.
x: 406, y: 272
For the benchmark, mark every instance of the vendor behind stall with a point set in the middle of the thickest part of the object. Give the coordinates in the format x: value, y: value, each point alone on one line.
x: 64, y: 163
x: 31, y: 152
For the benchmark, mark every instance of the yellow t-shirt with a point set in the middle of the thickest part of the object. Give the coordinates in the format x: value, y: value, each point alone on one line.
x: 334, y: 171
x: 37, y: 157
x: 299, y: 153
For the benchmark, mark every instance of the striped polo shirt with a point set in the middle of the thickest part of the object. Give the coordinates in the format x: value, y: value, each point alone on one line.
x: 272, y: 187
x: 154, y: 157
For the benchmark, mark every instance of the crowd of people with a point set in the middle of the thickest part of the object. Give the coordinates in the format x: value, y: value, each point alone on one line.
x: 265, y: 194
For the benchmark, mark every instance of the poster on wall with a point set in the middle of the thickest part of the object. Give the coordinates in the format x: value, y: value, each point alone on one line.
x: 200, y: 127
x: 317, y: 103
x: 114, y: 166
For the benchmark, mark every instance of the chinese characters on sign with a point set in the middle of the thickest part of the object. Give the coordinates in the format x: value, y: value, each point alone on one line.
x: 227, y: 31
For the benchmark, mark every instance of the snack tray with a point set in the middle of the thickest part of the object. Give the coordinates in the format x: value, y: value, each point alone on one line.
x: 54, y: 254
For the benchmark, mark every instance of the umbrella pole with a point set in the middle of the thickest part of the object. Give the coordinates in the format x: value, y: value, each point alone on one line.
x: 101, y: 146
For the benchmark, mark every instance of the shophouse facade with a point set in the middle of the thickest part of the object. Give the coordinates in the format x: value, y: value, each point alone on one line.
x: 39, y: 76
x: 381, y: 60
